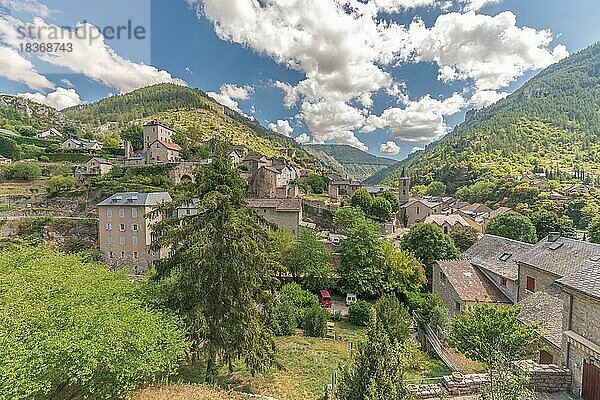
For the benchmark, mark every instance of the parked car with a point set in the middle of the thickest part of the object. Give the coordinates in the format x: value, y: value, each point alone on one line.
x: 350, y: 298
x: 324, y: 298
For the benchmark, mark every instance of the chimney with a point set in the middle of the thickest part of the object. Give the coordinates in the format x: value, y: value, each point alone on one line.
x: 553, y: 237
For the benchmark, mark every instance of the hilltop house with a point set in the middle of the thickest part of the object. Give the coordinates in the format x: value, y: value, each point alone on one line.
x: 340, y: 187
x: 4, y: 160
x: 125, y: 229
x: 271, y: 178
x: 94, y: 167
x: 73, y: 143
x: 447, y: 222
x: 50, y: 133
x: 158, y: 143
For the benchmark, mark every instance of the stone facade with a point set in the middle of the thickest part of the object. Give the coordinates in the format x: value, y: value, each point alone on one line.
x: 125, y: 230
x: 545, y: 378
x: 543, y: 279
x: 286, y: 213
x: 446, y: 291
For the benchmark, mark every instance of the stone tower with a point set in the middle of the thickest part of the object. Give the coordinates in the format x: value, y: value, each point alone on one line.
x: 404, y: 191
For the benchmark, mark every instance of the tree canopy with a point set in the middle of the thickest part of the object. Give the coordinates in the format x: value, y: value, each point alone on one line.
x: 513, y: 225
x: 75, y: 330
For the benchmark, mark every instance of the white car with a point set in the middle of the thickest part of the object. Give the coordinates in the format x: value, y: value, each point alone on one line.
x: 350, y: 298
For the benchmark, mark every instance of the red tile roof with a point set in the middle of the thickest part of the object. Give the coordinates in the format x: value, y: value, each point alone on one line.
x: 169, y: 145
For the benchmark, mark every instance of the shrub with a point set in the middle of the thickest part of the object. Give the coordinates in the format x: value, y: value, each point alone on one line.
x: 298, y: 297
x: 21, y: 171
x: 359, y: 313
x: 285, y: 319
x: 60, y: 183
x: 314, y: 321
x: 75, y: 244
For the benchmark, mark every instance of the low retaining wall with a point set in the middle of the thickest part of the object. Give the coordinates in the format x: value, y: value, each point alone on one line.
x: 546, y: 378
x: 465, y: 385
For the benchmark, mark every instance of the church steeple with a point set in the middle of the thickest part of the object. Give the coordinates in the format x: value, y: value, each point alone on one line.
x: 404, y: 190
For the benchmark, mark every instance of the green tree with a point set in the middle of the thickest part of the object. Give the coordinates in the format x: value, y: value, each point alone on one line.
x: 429, y: 244
x: 314, y: 261
x: 134, y: 134
x: 362, y: 200
x: 9, y: 149
x: 463, y: 236
x: 392, y: 199
x: 362, y: 258
x: 436, y: 189
x: 22, y: 171
x: 376, y: 371
x: 317, y: 183
x: 314, y: 321
x: 402, y: 271
x: 60, y: 183
x: 494, y: 336
x: 393, y: 318
x: 359, y: 313
x: 380, y: 209
x: 73, y: 331
x: 283, y: 247
x: 219, y: 268
x: 514, y: 226
x: 294, y: 294
x: 594, y: 230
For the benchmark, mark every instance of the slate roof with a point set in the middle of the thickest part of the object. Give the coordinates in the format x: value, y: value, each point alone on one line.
x: 469, y: 283
x: 585, y: 279
x: 278, y: 204
x: 136, y: 199
x: 451, y: 219
x: 476, y: 207
x: 544, y: 308
x: 560, y: 257
x: 487, y: 253
x: 156, y: 122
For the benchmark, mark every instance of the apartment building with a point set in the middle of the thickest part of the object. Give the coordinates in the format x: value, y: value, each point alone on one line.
x: 125, y: 229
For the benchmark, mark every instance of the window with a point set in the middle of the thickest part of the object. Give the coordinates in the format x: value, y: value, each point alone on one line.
x: 136, y: 255
x: 158, y: 145
x: 446, y: 230
x: 108, y: 227
x: 135, y: 240
x: 111, y: 255
x: 135, y: 227
x: 121, y: 212
x: 122, y: 254
x: 418, y: 210
x: 530, y: 284
x: 109, y: 240
x: 109, y: 212
x: 188, y: 212
x: 442, y: 276
x: 134, y: 213
x: 503, y: 281
x: 122, y: 227
x: 457, y: 306
x: 505, y: 256
x: 122, y: 240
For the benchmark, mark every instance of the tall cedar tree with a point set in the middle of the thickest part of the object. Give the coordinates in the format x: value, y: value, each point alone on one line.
x: 219, y: 267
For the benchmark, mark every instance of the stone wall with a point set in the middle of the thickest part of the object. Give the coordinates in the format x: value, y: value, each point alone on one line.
x: 546, y: 378
x: 542, y: 279
x: 442, y: 287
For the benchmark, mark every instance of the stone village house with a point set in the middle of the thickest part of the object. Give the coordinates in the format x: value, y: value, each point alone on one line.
x: 556, y: 282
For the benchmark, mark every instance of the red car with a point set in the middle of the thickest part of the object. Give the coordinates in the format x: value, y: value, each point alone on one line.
x: 324, y: 298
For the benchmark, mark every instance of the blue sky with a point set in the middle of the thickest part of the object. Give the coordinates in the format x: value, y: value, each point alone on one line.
x: 387, y: 76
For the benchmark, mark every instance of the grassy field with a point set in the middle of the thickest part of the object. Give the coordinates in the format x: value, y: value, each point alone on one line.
x: 184, y: 392
x: 22, y: 188
x: 302, y: 369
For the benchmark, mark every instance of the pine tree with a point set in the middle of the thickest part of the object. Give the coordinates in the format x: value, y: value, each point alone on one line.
x: 219, y: 267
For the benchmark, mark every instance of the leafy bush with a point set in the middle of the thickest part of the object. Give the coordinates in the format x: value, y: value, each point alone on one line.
x: 293, y: 294
x: 285, y: 319
x: 359, y: 313
x: 75, y: 244
x: 20, y: 171
x: 60, y: 183
x: 314, y: 321
x: 72, y: 331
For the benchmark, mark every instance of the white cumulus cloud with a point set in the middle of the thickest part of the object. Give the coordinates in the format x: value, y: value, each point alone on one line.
x: 16, y: 68
x: 389, y: 147
x: 303, y: 138
x: 282, y: 127
x: 229, y: 94
x: 59, y: 99
x: 91, y: 56
x: 484, y: 98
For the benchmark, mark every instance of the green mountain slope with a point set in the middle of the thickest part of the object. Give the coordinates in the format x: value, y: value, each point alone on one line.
x: 552, y: 122
x: 197, y: 116
x: 17, y: 112
x: 349, y: 160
